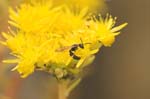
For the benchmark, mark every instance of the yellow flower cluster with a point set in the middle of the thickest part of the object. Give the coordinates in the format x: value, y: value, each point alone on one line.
x: 55, y: 38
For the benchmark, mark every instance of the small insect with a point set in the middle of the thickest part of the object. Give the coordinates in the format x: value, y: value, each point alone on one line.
x: 72, y: 49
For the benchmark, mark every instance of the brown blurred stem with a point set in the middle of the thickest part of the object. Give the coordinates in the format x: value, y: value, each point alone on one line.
x: 62, y: 87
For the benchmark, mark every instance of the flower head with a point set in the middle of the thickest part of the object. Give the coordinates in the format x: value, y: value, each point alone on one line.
x: 105, y: 29
x: 56, y: 38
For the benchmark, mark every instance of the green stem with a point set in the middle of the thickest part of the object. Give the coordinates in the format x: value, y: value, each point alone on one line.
x: 64, y: 90
x: 73, y: 86
x: 62, y: 87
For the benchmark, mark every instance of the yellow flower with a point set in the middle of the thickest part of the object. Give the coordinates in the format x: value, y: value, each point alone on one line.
x: 105, y: 29
x: 43, y: 16
x: 56, y: 39
x: 68, y: 17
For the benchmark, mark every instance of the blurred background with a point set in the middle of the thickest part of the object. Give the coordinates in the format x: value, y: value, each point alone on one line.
x: 119, y: 72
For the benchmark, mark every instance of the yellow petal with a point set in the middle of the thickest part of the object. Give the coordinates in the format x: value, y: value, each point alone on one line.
x: 115, y: 29
x: 11, y: 61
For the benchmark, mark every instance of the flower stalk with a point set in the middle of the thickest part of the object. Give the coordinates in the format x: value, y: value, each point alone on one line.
x: 62, y: 90
x: 65, y: 87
